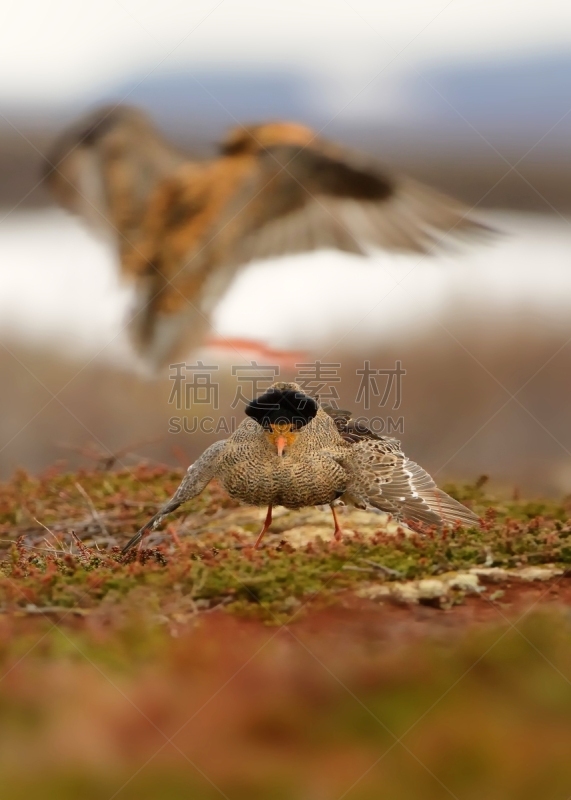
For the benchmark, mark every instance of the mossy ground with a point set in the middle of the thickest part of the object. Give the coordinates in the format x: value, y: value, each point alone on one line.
x: 204, y: 669
x: 61, y: 537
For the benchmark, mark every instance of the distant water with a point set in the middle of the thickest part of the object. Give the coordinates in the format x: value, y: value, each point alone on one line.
x: 59, y: 286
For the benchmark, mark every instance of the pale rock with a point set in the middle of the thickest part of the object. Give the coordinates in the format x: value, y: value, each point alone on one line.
x: 544, y: 573
x: 465, y: 582
x: 430, y: 589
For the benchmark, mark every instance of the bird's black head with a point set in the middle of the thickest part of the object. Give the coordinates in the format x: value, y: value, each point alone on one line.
x: 282, y: 407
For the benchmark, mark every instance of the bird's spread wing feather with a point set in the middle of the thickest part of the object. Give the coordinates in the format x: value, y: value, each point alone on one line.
x: 302, y: 199
x: 387, y: 479
x: 105, y: 166
x: 197, y: 477
x: 351, y: 430
x: 396, y: 484
x: 185, y: 229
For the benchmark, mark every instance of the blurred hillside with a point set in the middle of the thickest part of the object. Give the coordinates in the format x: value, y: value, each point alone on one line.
x: 459, y: 127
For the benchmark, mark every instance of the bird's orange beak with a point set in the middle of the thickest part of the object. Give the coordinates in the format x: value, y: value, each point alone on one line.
x: 281, y: 436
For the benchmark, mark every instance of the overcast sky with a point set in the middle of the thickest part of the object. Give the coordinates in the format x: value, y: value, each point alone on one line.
x: 61, y: 49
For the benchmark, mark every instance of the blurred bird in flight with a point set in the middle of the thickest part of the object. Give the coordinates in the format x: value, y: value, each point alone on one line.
x: 184, y: 228
x: 295, y: 453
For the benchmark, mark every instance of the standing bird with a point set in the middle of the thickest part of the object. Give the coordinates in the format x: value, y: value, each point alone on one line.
x: 184, y: 229
x: 294, y: 453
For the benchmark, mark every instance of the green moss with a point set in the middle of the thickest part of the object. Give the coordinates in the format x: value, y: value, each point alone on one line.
x: 220, y: 569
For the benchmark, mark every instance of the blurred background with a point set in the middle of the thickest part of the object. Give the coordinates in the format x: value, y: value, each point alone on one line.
x: 471, y: 98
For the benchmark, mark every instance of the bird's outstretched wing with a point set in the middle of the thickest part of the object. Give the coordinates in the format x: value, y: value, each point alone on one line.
x: 322, y: 196
x: 394, y: 483
x: 184, y: 229
x: 350, y: 429
x: 387, y: 479
x: 105, y: 167
x: 285, y: 199
x: 198, y: 476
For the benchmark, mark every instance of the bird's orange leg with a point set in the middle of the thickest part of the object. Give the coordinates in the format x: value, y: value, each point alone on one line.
x: 248, y: 349
x: 337, y: 533
x: 267, y: 524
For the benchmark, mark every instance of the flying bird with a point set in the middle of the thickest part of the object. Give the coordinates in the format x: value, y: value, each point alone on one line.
x: 184, y: 229
x: 292, y: 452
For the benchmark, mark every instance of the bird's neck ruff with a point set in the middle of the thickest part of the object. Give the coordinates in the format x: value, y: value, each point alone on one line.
x: 282, y: 407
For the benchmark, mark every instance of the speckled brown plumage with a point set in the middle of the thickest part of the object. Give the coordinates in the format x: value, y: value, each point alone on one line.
x: 184, y: 229
x: 328, y: 459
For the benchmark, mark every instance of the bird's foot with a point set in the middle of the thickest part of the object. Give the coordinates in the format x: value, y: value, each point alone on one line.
x: 267, y: 523
x: 337, y: 533
x: 247, y: 348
